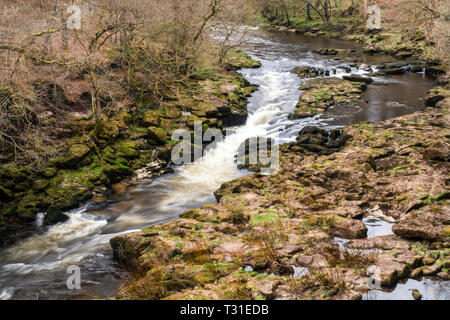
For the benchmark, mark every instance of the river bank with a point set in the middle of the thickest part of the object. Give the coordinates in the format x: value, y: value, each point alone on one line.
x: 390, y: 39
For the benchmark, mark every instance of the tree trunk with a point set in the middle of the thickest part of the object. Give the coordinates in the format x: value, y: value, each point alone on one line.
x: 326, y: 12
x: 287, y: 13
x: 366, y: 5
x: 308, y: 11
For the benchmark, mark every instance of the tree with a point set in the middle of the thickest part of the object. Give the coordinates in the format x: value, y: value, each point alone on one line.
x: 322, y: 8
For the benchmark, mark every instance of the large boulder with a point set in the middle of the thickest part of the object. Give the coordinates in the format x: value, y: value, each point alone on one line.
x: 54, y: 216
x: 151, y: 118
x: 350, y: 229
x: 75, y: 154
x: 157, y: 134
x: 128, y: 248
x: 429, y: 223
x: 318, y: 140
x: 321, y: 93
x: 307, y: 72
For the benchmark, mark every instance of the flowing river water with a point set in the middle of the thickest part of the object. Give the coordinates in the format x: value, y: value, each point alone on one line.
x: 35, y: 268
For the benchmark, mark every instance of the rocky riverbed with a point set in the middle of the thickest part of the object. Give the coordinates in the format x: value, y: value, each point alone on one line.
x: 264, y: 229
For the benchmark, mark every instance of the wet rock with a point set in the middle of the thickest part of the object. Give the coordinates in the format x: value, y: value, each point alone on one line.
x: 326, y: 51
x: 128, y: 248
x: 389, y: 242
x: 350, y: 229
x: 358, y: 78
x: 436, y: 70
x: 394, y: 71
x: 235, y: 118
x: 321, y: 93
x: 345, y: 68
x: 416, y: 295
x: 394, y: 104
x: 390, y: 270
x: 428, y: 224
x: 55, y: 215
x: 397, y: 64
x: 318, y: 140
x: 307, y: 72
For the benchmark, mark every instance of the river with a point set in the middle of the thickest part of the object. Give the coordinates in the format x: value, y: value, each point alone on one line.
x: 35, y: 268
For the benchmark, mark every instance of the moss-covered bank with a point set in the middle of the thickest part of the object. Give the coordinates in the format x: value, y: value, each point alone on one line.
x: 98, y: 155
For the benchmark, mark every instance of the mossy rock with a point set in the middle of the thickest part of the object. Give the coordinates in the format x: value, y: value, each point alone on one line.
x: 75, y: 154
x: 158, y: 135
x: 321, y: 93
x: 28, y: 207
x: 169, y: 112
x: 128, y: 149
x: 109, y: 131
x: 151, y: 118
x: 50, y: 172
x: 40, y: 185
x: 237, y: 59
x: 67, y: 189
x: 115, y: 173
x: 54, y: 216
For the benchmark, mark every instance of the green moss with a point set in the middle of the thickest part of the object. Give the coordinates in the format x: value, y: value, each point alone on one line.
x: 128, y: 149
x: 265, y: 219
x: 151, y: 118
x: 158, y: 135
x: 171, y: 112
